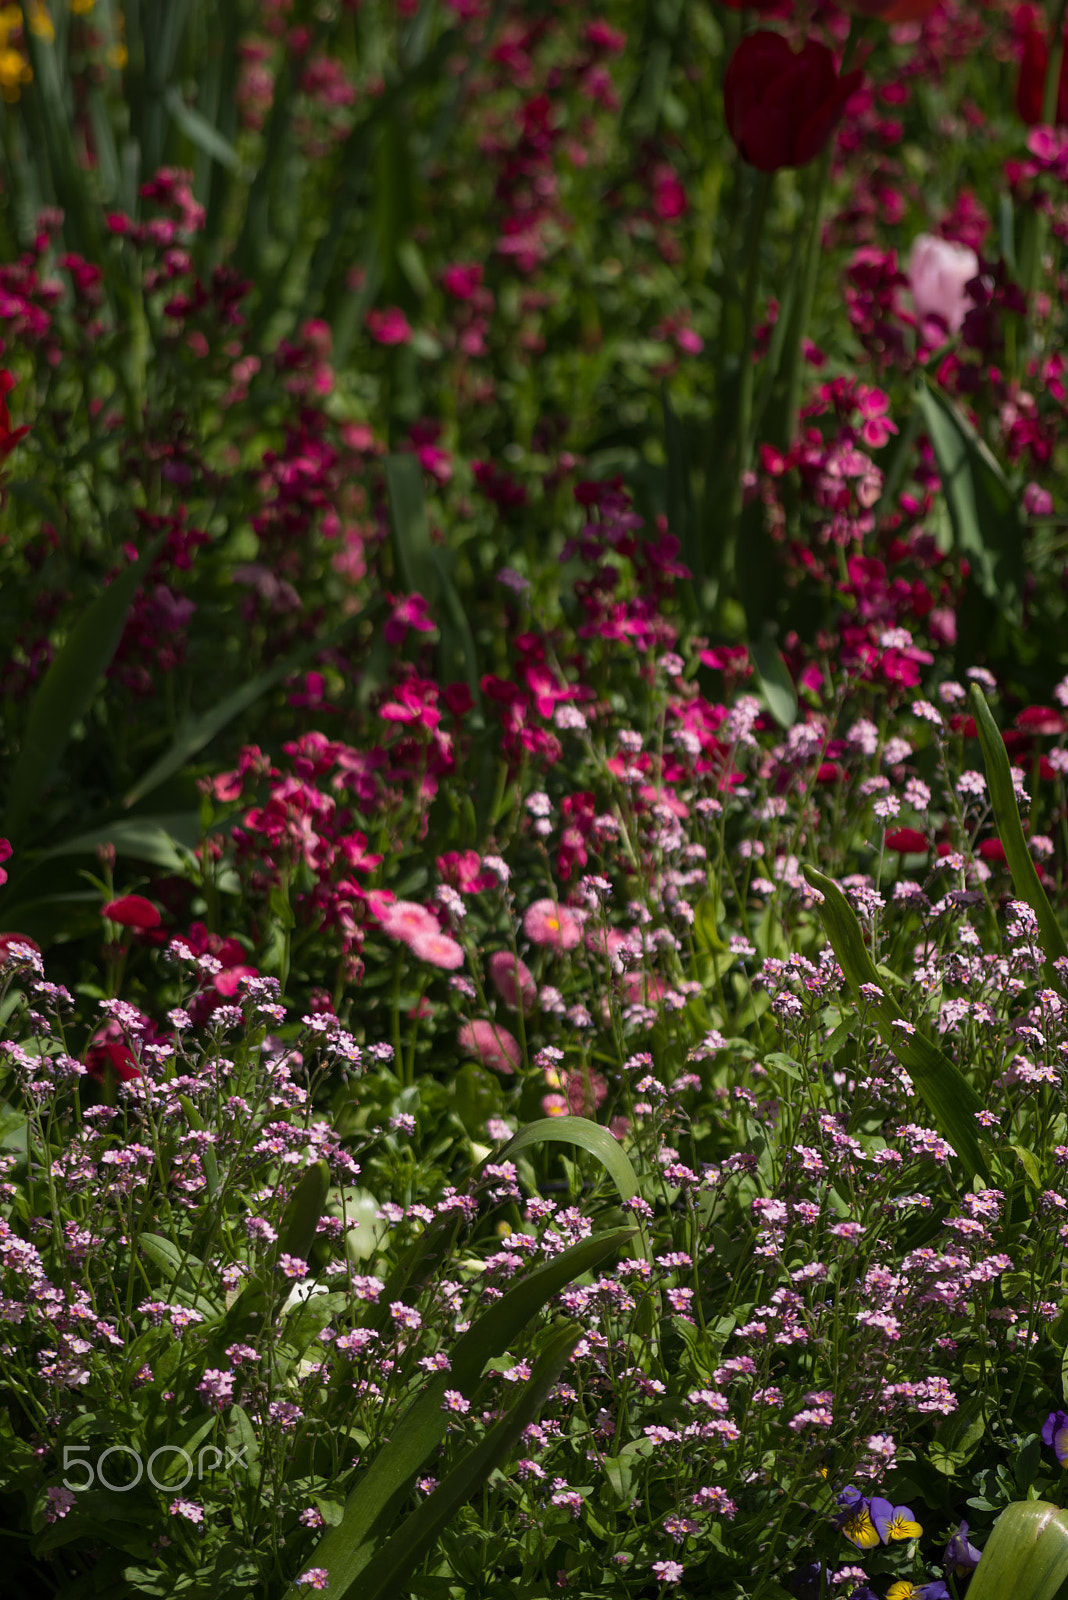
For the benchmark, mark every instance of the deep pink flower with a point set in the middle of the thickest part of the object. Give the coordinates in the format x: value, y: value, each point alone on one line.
x: 9, y: 436
x: 389, y: 327
x: 550, y: 924
x: 437, y: 949
x: 132, y: 911
x: 461, y: 279
x: 409, y: 611
x: 491, y: 1045
x: 513, y: 981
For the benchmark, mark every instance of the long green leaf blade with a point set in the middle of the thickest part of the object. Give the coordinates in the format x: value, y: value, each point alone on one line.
x: 1010, y: 830
x: 68, y: 690
x: 195, y: 735
x: 1026, y: 1555
x: 375, y: 1502
x: 984, y: 512
x: 418, y: 1533
x: 947, y: 1093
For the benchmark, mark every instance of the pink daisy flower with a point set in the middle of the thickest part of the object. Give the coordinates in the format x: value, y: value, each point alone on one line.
x: 491, y: 1045
x: 437, y: 949
x: 513, y: 981
x: 549, y: 924
x: 404, y: 919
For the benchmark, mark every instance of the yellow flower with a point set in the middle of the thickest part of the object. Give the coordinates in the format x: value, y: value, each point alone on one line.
x: 900, y: 1590
x: 117, y: 56
x: 14, y: 72
x: 39, y: 21
x: 82, y: 8
x: 861, y: 1531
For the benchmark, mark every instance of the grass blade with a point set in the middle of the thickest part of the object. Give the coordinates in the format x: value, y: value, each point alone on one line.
x: 1010, y: 830
x: 374, y: 1504
x: 67, y: 692
x: 948, y: 1094
x: 394, y: 1564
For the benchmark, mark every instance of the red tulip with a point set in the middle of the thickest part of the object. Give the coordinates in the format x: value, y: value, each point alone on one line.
x: 8, y: 939
x: 1031, y: 84
x: 783, y: 105
x: 103, y: 1054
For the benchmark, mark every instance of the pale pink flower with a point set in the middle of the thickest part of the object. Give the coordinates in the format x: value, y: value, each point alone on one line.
x: 938, y: 271
x: 437, y: 949
x: 513, y: 981
x: 404, y: 919
x: 491, y: 1045
x: 547, y: 923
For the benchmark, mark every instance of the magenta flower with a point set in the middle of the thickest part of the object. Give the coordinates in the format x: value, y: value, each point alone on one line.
x: 1055, y: 1434
x: 491, y: 1045
x: 409, y: 611
x: 547, y: 923
x: 389, y: 327
x: 513, y: 981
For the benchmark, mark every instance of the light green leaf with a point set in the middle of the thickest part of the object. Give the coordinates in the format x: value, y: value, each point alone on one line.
x: 950, y: 1097
x: 774, y: 678
x: 388, y: 1572
x: 987, y: 525
x: 381, y: 1493
x: 1007, y: 817
x: 196, y: 734
x: 197, y: 128
x: 68, y: 690
x: 1026, y: 1555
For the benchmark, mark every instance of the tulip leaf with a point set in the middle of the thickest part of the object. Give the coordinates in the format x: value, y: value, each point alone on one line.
x: 301, y: 1218
x: 1010, y: 830
x: 774, y: 678
x: 1026, y: 1555
x: 949, y: 1096
x: 390, y: 1569
x: 68, y: 690
x: 196, y: 734
x: 379, y: 1496
x: 987, y: 526
x: 424, y: 571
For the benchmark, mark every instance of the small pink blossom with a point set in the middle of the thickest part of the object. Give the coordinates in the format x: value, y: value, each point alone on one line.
x: 547, y: 923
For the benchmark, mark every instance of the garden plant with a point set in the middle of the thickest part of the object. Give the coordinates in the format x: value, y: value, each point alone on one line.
x: 533, y: 799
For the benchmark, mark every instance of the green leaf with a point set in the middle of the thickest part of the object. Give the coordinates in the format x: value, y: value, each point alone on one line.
x: 301, y: 1218
x: 680, y: 506
x: 987, y: 525
x: 381, y: 1493
x: 196, y: 734
x: 67, y: 692
x: 388, y: 1572
x: 201, y: 132
x: 179, y: 1268
x: 588, y: 1136
x: 1010, y: 831
x: 1026, y: 1555
x: 423, y: 570
x: 150, y: 839
x: 948, y: 1094
x: 774, y: 678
